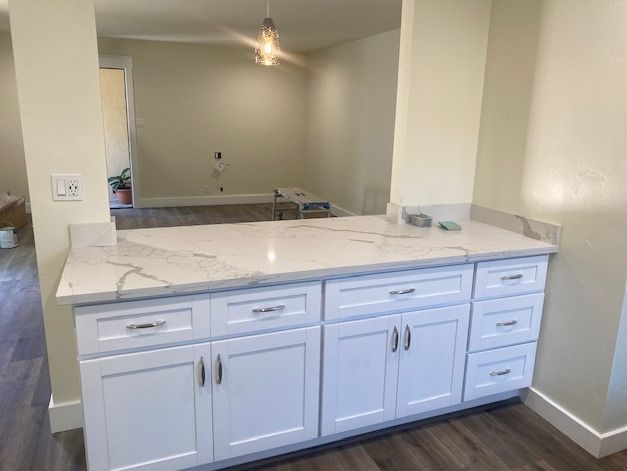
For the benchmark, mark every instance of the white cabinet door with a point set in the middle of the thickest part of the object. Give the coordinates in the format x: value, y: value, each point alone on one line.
x: 148, y: 410
x: 433, y: 350
x: 265, y: 391
x: 360, y: 364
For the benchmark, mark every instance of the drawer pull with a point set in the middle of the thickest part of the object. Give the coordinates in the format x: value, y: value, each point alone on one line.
x: 507, y: 324
x: 219, y: 371
x: 517, y: 276
x: 395, y: 340
x: 259, y: 310
x: 203, y: 374
x: 407, y: 337
x: 500, y: 373
x: 403, y: 291
x: 149, y: 325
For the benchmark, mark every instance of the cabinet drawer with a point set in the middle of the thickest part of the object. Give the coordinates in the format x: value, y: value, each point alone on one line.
x: 497, y: 371
x: 506, y: 321
x: 398, y: 291
x: 137, y: 324
x: 259, y: 309
x: 510, y: 277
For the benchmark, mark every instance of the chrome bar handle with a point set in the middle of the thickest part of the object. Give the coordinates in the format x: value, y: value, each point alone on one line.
x: 403, y: 291
x: 258, y: 310
x: 219, y: 370
x: 517, y: 276
x: 407, y: 342
x: 203, y: 374
x: 501, y: 373
x: 149, y: 325
x: 395, y: 340
x: 507, y: 324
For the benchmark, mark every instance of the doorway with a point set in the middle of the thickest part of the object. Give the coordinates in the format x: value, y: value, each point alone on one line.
x: 118, y: 109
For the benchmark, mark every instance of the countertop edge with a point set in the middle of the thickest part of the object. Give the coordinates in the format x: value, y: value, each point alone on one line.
x: 289, y: 277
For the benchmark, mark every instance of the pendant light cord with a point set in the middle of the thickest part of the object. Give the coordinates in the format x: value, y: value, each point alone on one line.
x: 267, y: 8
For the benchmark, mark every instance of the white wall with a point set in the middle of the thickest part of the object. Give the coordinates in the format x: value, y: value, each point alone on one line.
x: 195, y: 99
x: 352, y: 101
x: 552, y: 146
x: 12, y: 165
x: 443, y: 51
x: 56, y: 64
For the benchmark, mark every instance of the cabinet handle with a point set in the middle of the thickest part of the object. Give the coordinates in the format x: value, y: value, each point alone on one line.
x: 517, y: 276
x: 403, y: 291
x: 203, y: 374
x: 500, y: 373
x: 507, y: 324
x: 148, y: 325
x: 394, y: 340
x: 258, y: 310
x: 407, y: 342
x: 219, y: 371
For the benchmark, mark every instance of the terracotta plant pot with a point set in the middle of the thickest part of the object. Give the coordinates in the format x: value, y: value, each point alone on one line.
x: 124, y: 196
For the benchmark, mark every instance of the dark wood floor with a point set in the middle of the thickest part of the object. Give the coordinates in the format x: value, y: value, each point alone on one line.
x: 499, y: 438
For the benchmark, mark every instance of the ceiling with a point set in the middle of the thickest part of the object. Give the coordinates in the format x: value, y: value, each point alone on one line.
x: 304, y: 25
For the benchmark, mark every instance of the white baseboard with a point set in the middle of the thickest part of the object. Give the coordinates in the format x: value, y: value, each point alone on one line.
x: 596, y: 443
x: 65, y: 415
x: 341, y: 212
x: 203, y: 200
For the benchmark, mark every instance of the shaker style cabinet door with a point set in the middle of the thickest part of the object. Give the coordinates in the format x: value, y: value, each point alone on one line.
x: 360, y: 363
x: 433, y: 351
x: 149, y: 410
x: 265, y: 391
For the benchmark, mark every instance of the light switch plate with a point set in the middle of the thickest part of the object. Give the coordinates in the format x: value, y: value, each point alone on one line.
x: 67, y: 187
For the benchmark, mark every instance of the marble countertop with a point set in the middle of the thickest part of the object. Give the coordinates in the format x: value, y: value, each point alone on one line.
x: 172, y: 260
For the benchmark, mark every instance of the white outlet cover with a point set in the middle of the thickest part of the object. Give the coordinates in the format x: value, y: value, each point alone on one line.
x: 67, y: 186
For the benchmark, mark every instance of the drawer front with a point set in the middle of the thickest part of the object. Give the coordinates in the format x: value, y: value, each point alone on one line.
x: 497, y: 371
x: 398, y: 291
x: 258, y: 309
x: 507, y: 321
x: 138, y: 324
x: 511, y: 277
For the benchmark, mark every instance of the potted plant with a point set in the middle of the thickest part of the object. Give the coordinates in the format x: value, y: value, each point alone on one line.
x: 121, y: 186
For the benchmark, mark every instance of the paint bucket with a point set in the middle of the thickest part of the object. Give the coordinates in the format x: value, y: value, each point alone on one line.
x: 8, y: 237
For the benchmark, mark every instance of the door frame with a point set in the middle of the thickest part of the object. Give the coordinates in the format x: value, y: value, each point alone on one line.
x: 125, y: 63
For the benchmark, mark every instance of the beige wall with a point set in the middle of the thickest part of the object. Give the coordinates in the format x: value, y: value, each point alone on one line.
x: 352, y: 98
x: 194, y: 100
x: 113, y: 92
x: 443, y: 51
x: 12, y: 165
x: 552, y: 146
x: 62, y: 126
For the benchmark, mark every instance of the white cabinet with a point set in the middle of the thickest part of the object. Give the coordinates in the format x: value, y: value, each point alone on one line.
x: 433, y: 351
x: 266, y: 391
x: 392, y: 366
x: 148, y: 410
x: 360, y: 372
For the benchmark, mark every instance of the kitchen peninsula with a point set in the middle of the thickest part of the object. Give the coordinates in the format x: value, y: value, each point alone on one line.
x: 217, y: 345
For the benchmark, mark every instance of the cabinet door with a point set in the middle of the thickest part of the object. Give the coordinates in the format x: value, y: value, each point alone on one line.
x: 433, y: 350
x: 148, y: 410
x: 360, y: 363
x: 265, y: 391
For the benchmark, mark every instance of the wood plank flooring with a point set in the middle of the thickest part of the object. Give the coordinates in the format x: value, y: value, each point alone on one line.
x: 503, y: 437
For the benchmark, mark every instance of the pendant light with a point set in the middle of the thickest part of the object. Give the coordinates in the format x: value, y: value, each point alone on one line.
x: 268, y: 50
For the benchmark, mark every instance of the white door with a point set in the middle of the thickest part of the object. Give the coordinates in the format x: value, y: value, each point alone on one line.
x: 148, y: 410
x: 433, y: 350
x: 360, y: 364
x: 265, y: 391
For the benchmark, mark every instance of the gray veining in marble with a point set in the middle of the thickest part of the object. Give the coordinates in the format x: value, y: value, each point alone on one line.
x: 539, y: 230
x: 169, y: 260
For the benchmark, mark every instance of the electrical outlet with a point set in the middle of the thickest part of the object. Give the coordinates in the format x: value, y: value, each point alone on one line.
x: 67, y: 187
